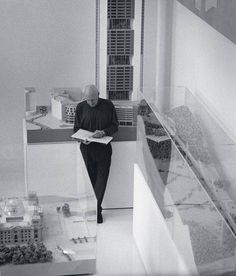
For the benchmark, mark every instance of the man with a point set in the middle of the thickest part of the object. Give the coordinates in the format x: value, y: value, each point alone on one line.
x: 97, y: 115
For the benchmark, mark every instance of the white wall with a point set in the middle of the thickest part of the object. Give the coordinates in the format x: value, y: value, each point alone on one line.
x: 119, y: 191
x: 157, y: 248
x: 48, y: 160
x: 188, y: 52
x: 44, y: 44
x: 150, y: 48
x: 157, y: 50
x: 59, y: 176
x: 205, y: 62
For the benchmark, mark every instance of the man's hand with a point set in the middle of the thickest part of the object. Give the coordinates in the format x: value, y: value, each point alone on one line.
x: 98, y: 134
x: 86, y: 142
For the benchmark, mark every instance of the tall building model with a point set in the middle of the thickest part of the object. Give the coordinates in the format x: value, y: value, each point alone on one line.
x: 120, y: 49
x: 21, y: 220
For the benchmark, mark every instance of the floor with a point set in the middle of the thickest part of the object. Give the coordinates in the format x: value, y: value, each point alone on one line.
x: 116, y: 250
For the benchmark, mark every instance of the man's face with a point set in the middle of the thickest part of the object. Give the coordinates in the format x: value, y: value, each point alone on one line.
x: 91, y: 97
x: 92, y: 101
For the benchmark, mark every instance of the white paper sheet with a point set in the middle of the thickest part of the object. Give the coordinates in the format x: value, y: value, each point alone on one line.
x: 86, y: 135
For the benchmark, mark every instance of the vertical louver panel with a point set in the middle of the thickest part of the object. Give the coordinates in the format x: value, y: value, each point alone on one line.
x: 120, y: 42
x: 119, y: 60
x: 126, y: 113
x: 120, y: 78
x: 119, y: 24
x: 120, y: 8
x: 118, y: 95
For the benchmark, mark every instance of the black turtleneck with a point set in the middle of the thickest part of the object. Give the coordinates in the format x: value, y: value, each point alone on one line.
x: 100, y: 117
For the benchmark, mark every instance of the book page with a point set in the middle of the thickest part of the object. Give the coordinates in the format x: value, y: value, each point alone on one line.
x: 83, y: 134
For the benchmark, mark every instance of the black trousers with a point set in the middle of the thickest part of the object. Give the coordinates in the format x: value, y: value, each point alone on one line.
x: 97, y: 158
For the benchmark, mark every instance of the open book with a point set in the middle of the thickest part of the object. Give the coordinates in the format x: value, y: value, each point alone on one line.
x: 86, y: 135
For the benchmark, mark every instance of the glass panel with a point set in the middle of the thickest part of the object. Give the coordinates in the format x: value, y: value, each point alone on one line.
x: 55, y: 222
x: 200, y: 229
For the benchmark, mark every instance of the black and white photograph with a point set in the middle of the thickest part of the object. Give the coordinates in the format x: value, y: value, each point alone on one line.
x: 118, y: 137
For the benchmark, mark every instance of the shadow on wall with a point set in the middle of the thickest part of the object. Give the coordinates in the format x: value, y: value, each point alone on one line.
x: 220, y: 14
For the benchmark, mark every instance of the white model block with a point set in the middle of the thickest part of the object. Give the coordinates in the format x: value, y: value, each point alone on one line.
x: 60, y: 98
x: 57, y: 108
x: 30, y: 100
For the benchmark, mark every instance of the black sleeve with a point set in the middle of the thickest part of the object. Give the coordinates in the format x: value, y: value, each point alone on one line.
x: 77, y: 123
x: 113, y: 127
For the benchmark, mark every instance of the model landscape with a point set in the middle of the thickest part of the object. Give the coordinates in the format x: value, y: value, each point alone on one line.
x: 21, y: 228
x: 21, y: 220
x: 61, y: 112
x: 26, y: 254
x: 189, y: 175
x: 58, y: 232
x: 190, y: 137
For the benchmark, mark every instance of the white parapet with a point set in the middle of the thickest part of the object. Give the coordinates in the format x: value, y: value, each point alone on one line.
x: 161, y: 251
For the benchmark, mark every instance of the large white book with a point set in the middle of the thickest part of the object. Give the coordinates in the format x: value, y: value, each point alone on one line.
x: 86, y: 135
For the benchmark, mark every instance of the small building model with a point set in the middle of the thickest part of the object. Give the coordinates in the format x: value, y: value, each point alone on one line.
x: 30, y: 100
x: 66, y: 209
x: 64, y: 102
x: 32, y: 198
x: 21, y: 220
x: 143, y: 108
x: 126, y: 112
x: 70, y: 113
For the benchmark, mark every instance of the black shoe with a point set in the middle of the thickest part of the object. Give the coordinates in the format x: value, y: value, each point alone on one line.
x: 99, y: 218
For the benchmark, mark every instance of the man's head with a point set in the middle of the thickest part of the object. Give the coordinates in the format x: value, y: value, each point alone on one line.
x: 91, y: 95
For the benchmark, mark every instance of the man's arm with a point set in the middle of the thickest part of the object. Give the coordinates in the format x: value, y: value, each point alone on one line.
x: 113, y: 127
x: 77, y: 123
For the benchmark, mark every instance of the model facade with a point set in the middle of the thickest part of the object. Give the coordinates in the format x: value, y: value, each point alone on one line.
x: 126, y: 112
x: 64, y: 102
x: 21, y: 221
x: 70, y: 113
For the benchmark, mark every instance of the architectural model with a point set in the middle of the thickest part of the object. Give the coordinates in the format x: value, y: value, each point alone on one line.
x: 211, y: 236
x: 21, y: 220
x: 30, y: 100
x: 29, y: 254
x: 70, y: 113
x: 158, y: 142
x: 194, y: 143
x: 66, y: 209
x: 126, y: 112
x: 63, y: 104
x: 189, y: 130
x: 63, y: 108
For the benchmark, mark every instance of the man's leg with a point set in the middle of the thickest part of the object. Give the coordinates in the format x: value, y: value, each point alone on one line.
x: 103, y: 168
x: 98, y: 160
x: 90, y: 164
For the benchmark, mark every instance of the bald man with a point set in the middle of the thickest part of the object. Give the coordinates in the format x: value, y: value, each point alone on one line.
x: 97, y: 115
